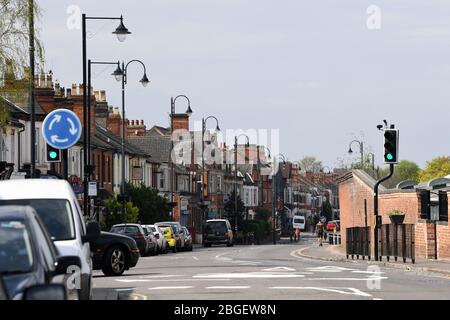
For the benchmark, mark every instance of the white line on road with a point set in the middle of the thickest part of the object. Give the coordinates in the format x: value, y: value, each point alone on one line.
x: 247, y: 275
x: 164, y: 276
x: 228, y: 287
x: 279, y: 269
x: 195, y: 258
x: 371, y: 278
x: 167, y: 280
x: 125, y: 289
x: 353, y: 291
x: 171, y: 288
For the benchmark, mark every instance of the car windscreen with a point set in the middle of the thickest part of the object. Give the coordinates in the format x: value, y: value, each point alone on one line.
x: 15, y: 247
x: 153, y: 229
x: 133, y: 230
x: 299, y: 220
x: 216, y: 226
x: 56, y: 214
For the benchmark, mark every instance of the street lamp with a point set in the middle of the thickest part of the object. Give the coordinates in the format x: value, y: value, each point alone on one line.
x: 361, y: 150
x: 236, y: 138
x: 121, y: 32
x: 259, y: 169
x: 121, y: 74
x: 274, y: 195
x: 204, y: 120
x: 188, y: 112
x: 87, y: 131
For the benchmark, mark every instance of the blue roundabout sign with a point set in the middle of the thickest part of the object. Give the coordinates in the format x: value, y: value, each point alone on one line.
x: 61, y: 129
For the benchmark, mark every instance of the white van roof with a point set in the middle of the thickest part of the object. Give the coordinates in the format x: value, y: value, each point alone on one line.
x: 35, y: 189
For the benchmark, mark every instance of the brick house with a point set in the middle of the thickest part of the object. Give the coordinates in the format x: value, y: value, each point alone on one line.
x: 432, y: 237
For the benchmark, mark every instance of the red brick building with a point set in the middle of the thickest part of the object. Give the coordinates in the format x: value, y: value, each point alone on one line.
x: 356, y: 209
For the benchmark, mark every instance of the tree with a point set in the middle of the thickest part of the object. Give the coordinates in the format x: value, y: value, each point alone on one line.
x: 310, y: 164
x: 152, y: 207
x: 14, y: 50
x: 114, y: 213
x: 326, y: 210
x: 230, y: 211
x: 437, y: 168
x: 404, y: 170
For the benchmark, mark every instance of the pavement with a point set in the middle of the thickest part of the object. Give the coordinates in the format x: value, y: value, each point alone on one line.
x: 288, y: 271
x: 337, y: 253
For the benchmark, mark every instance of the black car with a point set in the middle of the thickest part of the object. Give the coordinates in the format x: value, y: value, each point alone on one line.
x: 217, y: 231
x: 136, y: 232
x: 114, y: 253
x: 28, y: 257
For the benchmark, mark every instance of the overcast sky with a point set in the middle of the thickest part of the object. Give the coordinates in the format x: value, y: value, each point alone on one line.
x: 312, y: 69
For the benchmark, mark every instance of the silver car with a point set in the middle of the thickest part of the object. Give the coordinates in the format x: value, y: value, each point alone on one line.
x: 159, y: 235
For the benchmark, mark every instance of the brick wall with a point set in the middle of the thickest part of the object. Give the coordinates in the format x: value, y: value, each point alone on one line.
x: 352, y: 194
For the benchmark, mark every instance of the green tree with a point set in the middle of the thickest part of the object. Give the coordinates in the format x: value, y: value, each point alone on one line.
x: 114, y: 213
x: 262, y: 214
x: 437, y: 168
x: 310, y: 164
x: 230, y: 211
x: 404, y: 170
x: 152, y: 207
x: 14, y: 51
x: 326, y: 210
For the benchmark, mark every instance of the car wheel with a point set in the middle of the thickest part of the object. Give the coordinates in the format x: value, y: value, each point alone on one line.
x: 155, y: 251
x: 174, y: 249
x: 114, y: 263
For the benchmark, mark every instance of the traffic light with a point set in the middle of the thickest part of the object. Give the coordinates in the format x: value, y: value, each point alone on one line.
x: 53, y: 154
x: 391, y: 146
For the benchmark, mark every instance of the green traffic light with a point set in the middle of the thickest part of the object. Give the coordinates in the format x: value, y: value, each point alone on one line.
x: 53, y: 154
x: 389, y: 156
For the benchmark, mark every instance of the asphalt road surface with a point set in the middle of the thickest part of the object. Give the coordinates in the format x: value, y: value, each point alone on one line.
x: 264, y: 272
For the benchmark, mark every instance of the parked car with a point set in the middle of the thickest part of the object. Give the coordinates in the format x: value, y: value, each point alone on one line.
x: 58, y: 208
x: 136, y: 232
x: 178, y: 232
x: 217, y: 231
x: 38, y: 292
x: 159, y: 235
x: 152, y: 241
x: 28, y: 257
x: 114, y: 253
x: 333, y: 224
x: 188, y: 239
x: 170, y: 237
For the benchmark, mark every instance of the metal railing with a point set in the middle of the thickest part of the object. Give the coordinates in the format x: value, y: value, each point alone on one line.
x: 358, y: 242
x: 397, y: 240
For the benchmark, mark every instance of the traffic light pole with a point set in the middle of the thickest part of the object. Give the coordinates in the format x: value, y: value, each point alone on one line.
x: 375, y: 208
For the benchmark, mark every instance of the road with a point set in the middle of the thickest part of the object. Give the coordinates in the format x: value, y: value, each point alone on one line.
x: 264, y: 272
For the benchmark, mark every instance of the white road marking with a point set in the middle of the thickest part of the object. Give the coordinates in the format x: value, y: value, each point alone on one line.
x: 171, y: 288
x: 247, y: 275
x: 279, y: 269
x: 371, y: 278
x: 330, y: 269
x: 166, y: 280
x: 164, y: 276
x: 368, y: 272
x: 195, y: 258
x: 125, y: 289
x: 377, y: 299
x: 228, y: 287
x: 353, y: 291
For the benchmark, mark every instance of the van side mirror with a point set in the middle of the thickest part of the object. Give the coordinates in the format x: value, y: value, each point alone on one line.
x: 45, y: 292
x: 64, y: 262
x: 93, y: 232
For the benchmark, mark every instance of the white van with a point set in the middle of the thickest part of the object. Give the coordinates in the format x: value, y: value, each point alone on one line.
x: 299, y: 222
x: 57, y: 206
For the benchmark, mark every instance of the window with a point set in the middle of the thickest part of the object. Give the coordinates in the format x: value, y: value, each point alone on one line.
x: 56, y: 214
x: 38, y: 145
x: 15, y: 247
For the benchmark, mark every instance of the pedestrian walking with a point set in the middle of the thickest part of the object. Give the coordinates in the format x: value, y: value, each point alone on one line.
x: 319, y: 228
